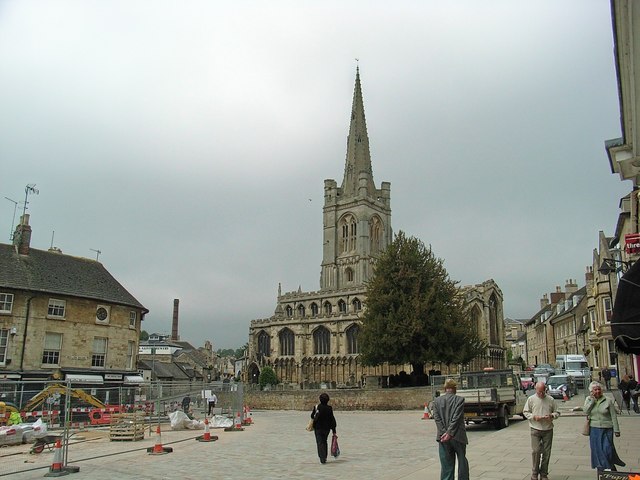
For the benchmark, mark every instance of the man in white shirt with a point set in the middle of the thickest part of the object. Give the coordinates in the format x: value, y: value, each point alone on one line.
x: 540, y: 410
x: 211, y: 400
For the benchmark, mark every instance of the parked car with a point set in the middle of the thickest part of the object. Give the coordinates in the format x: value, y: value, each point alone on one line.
x: 544, y: 368
x: 558, y: 384
x: 16, y: 434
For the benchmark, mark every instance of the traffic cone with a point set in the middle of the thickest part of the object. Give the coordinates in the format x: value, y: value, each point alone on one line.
x: 425, y: 415
x: 246, y: 416
x: 207, y: 434
x: 56, y: 469
x: 565, y: 397
x: 237, y: 425
x: 158, y: 449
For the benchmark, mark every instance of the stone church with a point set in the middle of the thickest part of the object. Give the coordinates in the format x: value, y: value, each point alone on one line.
x: 312, y: 337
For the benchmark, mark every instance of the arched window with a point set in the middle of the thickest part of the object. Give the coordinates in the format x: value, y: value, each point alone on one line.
x: 475, y: 319
x: 375, y: 235
x: 301, y: 311
x: 264, y: 344
x: 321, y: 341
x: 287, y: 342
x: 357, y: 305
x: 352, y: 339
x: 314, y: 309
x: 289, y: 311
x: 342, y: 306
x: 348, y: 233
x: 493, y: 320
x: 327, y: 308
x: 348, y: 273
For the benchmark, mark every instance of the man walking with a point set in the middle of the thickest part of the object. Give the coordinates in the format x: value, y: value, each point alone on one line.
x: 211, y: 400
x: 448, y: 413
x: 540, y: 410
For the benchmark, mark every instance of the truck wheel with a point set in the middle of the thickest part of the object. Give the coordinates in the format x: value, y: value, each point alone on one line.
x: 503, y: 418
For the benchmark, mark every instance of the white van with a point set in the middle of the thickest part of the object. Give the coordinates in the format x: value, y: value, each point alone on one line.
x: 576, y: 366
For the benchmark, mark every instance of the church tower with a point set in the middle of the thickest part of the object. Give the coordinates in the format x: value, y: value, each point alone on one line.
x: 356, y: 215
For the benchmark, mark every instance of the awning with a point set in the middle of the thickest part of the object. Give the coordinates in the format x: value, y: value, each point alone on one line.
x: 132, y: 379
x: 80, y: 378
x: 625, y: 320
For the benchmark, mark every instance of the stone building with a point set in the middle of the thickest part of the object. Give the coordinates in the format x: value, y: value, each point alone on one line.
x: 64, y: 317
x: 312, y: 337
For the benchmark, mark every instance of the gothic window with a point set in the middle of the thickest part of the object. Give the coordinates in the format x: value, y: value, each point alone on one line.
x: 349, y: 274
x: 352, y: 339
x: 264, y: 344
x: 321, y: 341
x: 287, y: 342
x: 348, y: 234
x: 342, y: 306
x: 493, y: 321
x: 301, y: 311
x: 314, y: 309
x: 327, y: 308
x: 375, y: 235
x: 475, y: 319
x: 357, y: 305
x: 289, y: 311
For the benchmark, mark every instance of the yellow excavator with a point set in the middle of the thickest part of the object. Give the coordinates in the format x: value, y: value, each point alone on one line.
x: 99, y: 415
x: 54, y: 388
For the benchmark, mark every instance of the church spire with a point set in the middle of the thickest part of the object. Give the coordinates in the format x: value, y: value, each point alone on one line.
x: 358, y: 175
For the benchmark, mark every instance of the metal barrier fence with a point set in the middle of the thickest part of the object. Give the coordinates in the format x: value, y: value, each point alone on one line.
x: 66, y: 408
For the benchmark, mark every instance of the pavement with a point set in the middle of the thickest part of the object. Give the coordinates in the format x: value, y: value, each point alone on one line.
x: 393, y: 445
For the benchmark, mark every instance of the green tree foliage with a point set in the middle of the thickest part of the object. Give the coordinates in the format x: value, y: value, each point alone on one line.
x: 267, y: 377
x: 144, y: 335
x: 415, y: 313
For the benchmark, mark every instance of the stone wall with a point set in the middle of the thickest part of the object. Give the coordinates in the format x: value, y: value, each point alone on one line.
x: 413, y: 398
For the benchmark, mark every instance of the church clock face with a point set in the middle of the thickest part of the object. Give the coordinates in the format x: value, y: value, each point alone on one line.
x: 101, y: 313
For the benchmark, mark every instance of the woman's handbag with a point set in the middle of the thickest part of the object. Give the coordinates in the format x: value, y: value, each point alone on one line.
x: 586, y: 428
x: 310, y: 426
x: 335, y: 449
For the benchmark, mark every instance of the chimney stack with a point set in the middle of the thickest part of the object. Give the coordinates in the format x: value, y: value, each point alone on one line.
x: 174, y: 325
x: 22, y: 235
x: 557, y: 296
x: 544, y: 301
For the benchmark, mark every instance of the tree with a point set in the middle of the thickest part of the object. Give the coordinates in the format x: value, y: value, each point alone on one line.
x: 415, y: 313
x: 144, y: 335
x: 267, y: 377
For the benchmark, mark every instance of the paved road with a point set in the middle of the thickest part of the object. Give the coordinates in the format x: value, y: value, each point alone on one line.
x: 375, y: 445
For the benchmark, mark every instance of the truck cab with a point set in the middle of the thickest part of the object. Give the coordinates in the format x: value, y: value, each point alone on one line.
x: 575, y: 366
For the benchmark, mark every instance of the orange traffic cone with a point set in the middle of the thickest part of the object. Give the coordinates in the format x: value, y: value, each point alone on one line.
x: 207, y: 437
x: 246, y: 416
x: 425, y: 415
x: 158, y: 449
x: 565, y: 397
x: 237, y: 425
x: 56, y: 469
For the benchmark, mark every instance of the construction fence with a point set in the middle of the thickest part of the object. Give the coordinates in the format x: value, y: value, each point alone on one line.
x: 34, y: 415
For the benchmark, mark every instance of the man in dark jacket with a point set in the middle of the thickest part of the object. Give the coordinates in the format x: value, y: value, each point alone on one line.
x: 323, y: 421
x: 448, y: 413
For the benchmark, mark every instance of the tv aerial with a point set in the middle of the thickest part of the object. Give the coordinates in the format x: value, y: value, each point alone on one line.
x: 98, y: 252
x: 30, y: 188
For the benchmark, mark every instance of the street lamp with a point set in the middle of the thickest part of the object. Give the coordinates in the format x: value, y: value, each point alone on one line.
x: 609, y: 266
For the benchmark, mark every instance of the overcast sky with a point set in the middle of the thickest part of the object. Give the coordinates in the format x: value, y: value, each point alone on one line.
x: 188, y: 141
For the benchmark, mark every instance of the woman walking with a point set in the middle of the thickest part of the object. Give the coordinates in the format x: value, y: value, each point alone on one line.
x: 323, y: 422
x: 603, y: 423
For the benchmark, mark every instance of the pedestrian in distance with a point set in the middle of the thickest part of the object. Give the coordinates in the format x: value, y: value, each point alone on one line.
x: 626, y: 385
x: 540, y: 409
x: 186, y: 401
x: 606, y: 376
x: 323, y: 422
x: 448, y: 413
x: 212, y: 399
x: 603, y: 426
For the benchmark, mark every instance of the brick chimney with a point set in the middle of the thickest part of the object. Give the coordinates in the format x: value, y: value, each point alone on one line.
x: 22, y: 235
x: 174, y: 325
x: 557, y: 296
